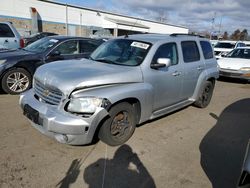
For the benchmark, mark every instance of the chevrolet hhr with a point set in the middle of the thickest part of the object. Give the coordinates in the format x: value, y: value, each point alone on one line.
x: 125, y: 82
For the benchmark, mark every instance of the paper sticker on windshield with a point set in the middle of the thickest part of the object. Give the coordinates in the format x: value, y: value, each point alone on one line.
x: 53, y: 40
x: 140, y: 45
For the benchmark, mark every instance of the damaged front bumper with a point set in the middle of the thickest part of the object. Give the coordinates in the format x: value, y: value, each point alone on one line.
x: 55, y: 122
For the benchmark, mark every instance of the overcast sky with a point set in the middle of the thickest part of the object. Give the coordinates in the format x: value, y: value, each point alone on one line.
x: 197, y: 15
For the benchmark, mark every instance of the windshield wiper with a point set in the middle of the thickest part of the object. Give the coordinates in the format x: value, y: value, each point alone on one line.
x: 104, y: 60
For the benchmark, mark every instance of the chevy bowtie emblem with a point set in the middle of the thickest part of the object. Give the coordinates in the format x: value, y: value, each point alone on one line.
x: 46, y: 93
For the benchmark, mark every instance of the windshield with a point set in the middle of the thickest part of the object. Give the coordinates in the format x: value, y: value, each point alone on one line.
x: 239, y: 53
x: 122, y: 52
x: 224, y: 45
x: 41, y: 45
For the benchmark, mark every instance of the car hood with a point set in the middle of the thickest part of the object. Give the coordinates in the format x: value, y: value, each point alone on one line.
x: 73, y: 74
x: 11, y: 54
x: 233, y: 63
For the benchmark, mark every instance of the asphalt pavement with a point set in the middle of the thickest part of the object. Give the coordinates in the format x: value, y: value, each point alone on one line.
x: 190, y: 148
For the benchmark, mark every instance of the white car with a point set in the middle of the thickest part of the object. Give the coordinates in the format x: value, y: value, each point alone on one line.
x: 236, y: 64
x: 222, y: 48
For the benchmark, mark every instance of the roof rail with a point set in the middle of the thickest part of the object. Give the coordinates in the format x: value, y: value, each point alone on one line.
x: 185, y: 34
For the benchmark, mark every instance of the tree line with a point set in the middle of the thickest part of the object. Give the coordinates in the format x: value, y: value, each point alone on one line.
x: 236, y: 35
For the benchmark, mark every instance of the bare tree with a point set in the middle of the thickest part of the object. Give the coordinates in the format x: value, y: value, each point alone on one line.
x: 235, y: 35
x: 225, y: 36
x: 244, y: 35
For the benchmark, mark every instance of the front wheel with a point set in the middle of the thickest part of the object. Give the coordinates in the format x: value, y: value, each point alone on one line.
x: 120, y: 126
x: 16, y: 81
x: 205, y: 95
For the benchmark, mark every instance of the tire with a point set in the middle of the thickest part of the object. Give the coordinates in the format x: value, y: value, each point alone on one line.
x: 205, y: 95
x: 120, y: 126
x: 16, y: 81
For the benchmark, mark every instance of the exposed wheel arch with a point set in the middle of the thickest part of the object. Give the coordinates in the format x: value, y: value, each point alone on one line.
x: 133, y: 101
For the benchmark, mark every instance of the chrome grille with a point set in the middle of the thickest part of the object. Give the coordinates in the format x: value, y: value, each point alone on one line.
x: 46, y: 94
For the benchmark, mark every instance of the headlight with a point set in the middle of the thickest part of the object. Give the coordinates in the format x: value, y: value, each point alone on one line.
x: 245, y: 68
x: 2, y: 61
x: 84, y: 105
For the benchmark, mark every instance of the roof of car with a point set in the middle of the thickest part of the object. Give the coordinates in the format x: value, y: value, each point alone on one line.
x: 153, y: 38
x: 244, y: 47
x: 61, y: 37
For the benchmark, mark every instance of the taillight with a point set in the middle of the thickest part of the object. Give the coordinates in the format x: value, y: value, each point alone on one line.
x: 21, y: 43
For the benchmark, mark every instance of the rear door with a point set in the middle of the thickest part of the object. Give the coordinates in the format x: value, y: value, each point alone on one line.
x: 7, y: 37
x: 193, y: 66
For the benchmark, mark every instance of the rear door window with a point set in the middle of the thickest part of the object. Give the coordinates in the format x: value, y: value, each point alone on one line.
x: 69, y: 47
x: 88, y: 46
x: 5, y: 31
x: 190, y: 51
x: 206, y: 49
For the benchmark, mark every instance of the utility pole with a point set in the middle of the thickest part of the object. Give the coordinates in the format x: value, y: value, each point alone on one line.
x: 212, y: 25
x: 80, y: 24
x: 220, y: 25
x: 66, y: 24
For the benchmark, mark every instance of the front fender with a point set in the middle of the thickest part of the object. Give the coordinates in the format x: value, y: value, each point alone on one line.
x: 118, y: 92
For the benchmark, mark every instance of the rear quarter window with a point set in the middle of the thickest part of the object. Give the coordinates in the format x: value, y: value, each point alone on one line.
x: 5, y: 31
x: 206, y: 49
x: 190, y: 51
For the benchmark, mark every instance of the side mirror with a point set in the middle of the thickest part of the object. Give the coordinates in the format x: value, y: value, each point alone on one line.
x: 161, y: 62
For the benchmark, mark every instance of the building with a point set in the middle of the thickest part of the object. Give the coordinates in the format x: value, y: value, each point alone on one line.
x: 31, y: 16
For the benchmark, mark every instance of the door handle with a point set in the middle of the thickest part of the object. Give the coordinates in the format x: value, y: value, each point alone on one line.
x: 6, y: 40
x: 200, y: 68
x: 176, y: 73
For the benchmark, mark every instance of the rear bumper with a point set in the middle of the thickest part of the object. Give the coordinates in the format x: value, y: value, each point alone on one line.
x: 56, y: 123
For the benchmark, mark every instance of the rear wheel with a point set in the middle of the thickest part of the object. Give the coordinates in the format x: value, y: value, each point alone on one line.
x: 16, y: 81
x: 205, y: 95
x: 120, y: 126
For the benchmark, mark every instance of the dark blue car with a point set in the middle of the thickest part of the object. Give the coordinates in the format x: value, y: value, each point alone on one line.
x: 18, y: 66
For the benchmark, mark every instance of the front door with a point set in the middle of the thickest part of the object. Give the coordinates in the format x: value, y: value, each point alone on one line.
x: 67, y: 50
x: 166, y: 81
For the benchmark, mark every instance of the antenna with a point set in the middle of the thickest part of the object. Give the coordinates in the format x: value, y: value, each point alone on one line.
x: 126, y: 36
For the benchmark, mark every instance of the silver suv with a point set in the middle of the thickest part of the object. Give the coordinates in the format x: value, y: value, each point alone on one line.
x: 126, y: 81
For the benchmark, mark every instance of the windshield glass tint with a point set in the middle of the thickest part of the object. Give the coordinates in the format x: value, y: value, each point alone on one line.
x: 239, y: 53
x: 41, y: 45
x: 224, y: 45
x: 122, y: 52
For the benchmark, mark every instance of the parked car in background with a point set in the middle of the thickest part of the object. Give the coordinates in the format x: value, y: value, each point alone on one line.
x: 126, y: 81
x: 222, y: 48
x: 9, y: 37
x: 32, y: 38
x: 213, y: 42
x: 18, y: 66
x: 236, y: 64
